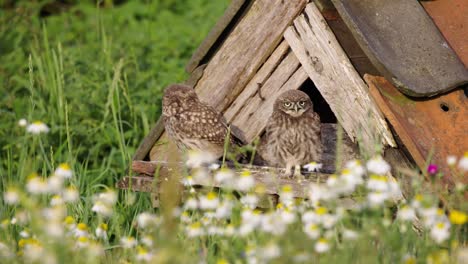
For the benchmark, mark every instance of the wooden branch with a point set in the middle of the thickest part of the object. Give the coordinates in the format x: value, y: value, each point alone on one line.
x: 334, y: 76
x: 245, y: 49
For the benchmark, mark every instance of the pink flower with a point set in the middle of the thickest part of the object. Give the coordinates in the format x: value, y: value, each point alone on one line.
x: 432, y: 169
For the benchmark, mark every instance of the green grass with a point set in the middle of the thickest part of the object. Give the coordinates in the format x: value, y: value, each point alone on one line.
x: 95, y: 76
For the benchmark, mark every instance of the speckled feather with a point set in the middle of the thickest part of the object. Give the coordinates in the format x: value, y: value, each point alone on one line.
x: 191, y: 123
x: 291, y: 139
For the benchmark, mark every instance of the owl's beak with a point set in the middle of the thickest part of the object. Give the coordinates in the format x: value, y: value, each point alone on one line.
x: 295, y: 108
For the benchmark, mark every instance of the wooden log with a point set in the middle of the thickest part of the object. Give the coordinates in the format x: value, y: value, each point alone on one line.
x: 327, y: 65
x: 245, y: 49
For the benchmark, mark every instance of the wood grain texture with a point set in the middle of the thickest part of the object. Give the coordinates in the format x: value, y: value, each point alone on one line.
x: 327, y: 65
x: 272, y: 179
x: 221, y: 26
x: 245, y: 49
x: 252, y: 108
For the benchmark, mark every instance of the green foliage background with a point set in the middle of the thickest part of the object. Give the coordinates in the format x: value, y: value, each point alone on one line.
x: 94, y: 73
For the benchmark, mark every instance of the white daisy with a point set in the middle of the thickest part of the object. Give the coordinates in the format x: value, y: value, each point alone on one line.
x: 37, y: 127
x: 378, y: 166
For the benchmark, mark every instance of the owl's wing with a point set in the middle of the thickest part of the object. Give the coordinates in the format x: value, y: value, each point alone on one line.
x: 202, y: 123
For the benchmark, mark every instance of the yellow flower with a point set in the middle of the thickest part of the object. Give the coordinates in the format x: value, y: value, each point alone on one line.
x: 321, y: 210
x: 103, y: 226
x: 69, y: 220
x: 458, y: 217
x: 222, y: 261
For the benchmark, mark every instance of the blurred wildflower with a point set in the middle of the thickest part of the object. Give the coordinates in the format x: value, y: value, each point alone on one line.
x: 249, y: 200
x: 245, y: 181
x: 69, y: 222
x: 349, y: 234
x: 143, y: 254
x: 463, y: 162
x: 376, y: 199
x: 406, y: 213
x: 70, y: 194
x: 22, y: 122
x: 146, y: 220
x: 432, y: 169
x: 286, y: 195
x: 313, y: 166
x: 82, y: 242
x: 198, y: 158
x: 81, y: 230
x: 64, y: 171
x: 56, y: 200
x: 213, y: 166
x: 191, y: 204
x: 11, y: 196
x: 55, y: 184
x: 102, y: 208
x: 53, y: 228
x: 224, y: 210
x: 147, y: 241
x: 225, y: 176
x: 101, y: 231
x: 355, y: 167
x: 33, y: 251
x: 409, y: 259
x: 194, y: 230
x: 55, y: 213
x: 312, y: 230
x: 457, y: 217
x: 451, y: 160
x: 209, y: 202
x: 440, y: 232
x: 322, y: 245
x: 104, y: 202
x: 37, y: 127
x: 128, y: 242
x: 438, y: 257
x: 270, y: 251
x: 378, y: 165
x: 188, y: 181
x: 36, y: 185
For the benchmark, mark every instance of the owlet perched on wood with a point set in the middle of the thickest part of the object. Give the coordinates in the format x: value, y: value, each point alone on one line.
x: 193, y: 124
x: 292, y: 135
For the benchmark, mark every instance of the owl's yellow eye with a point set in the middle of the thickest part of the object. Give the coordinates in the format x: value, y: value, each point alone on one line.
x: 301, y: 103
x: 287, y: 104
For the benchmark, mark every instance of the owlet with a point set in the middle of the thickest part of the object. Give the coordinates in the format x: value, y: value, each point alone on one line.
x: 192, y: 124
x: 292, y: 135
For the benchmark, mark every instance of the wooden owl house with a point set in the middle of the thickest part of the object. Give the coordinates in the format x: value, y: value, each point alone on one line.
x: 390, y: 73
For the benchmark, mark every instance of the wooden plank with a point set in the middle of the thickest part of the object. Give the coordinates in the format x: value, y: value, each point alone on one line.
x: 228, y: 18
x: 252, y: 108
x: 430, y: 129
x: 271, y: 179
x: 246, y: 48
x: 334, y: 76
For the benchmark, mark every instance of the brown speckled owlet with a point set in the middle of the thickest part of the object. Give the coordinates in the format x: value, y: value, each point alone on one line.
x: 292, y: 135
x: 191, y: 123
